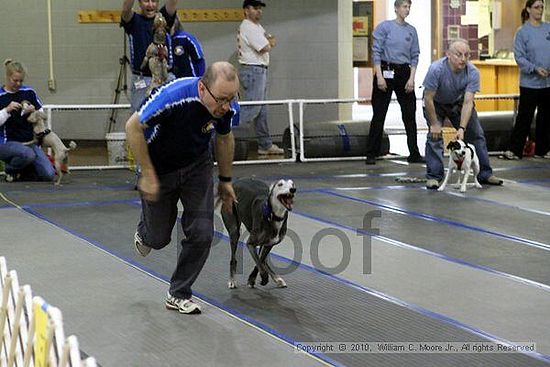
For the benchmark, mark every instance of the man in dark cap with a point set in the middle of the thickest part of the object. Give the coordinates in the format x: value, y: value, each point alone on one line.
x: 254, y: 45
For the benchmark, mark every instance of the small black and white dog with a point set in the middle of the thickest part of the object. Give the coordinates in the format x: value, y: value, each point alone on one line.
x: 462, y: 157
x: 264, y: 211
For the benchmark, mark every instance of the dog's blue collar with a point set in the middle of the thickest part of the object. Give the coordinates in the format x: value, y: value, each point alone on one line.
x: 268, y: 212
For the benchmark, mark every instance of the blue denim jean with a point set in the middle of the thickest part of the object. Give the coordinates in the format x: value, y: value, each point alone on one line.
x: 18, y: 156
x: 254, y: 84
x: 138, y: 93
x: 474, y: 135
x: 193, y: 186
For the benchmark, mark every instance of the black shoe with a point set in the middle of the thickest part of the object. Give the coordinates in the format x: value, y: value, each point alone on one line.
x: 370, y: 161
x: 416, y: 159
x: 28, y: 174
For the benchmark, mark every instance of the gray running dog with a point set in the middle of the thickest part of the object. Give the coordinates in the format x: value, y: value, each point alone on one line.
x: 264, y: 212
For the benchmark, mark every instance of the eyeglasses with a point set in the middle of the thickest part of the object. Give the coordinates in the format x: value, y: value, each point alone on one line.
x: 221, y: 101
x: 460, y: 55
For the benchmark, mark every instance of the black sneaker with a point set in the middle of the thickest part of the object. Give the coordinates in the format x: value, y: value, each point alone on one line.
x: 416, y: 159
x: 370, y: 161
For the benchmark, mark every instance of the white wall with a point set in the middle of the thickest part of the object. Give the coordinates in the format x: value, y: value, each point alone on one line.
x: 305, y: 63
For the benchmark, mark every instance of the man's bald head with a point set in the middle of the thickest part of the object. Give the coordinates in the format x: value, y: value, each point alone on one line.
x: 458, y: 54
x: 458, y: 41
x: 220, y: 69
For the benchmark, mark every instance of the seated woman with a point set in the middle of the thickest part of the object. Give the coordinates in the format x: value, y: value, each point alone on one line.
x: 20, y: 159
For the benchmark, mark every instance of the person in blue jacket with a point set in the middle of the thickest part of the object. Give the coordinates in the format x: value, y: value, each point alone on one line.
x: 139, y: 27
x: 395, y: 53
x: 532, y: 54
x: 23, y: 161
x: 187, y: 53
x: 449, y: 90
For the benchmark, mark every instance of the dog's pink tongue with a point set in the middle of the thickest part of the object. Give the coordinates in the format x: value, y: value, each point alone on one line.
x: 289, y: 204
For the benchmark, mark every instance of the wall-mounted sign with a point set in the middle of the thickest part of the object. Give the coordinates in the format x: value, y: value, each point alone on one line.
x: 363, y: 13
x: 360, y: 26
x: 360, y: 49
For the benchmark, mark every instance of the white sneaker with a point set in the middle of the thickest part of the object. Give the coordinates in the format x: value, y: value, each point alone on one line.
x: 186, y: 306
x: 12, y: 177
x: 273, y: 149
x: 140, y: 247
x: 432, y: 184
x: 509, y: 155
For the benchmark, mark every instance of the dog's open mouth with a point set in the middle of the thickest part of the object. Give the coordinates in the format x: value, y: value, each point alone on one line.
x: 287, y: 200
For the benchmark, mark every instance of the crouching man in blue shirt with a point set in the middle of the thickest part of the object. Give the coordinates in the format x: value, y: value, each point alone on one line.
x: 450, y: 86
x: 169, y: 136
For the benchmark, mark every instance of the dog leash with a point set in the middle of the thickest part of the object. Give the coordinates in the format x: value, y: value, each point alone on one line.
x: 10, y: 202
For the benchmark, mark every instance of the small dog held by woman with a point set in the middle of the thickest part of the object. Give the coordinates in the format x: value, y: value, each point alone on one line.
x: 48, y: 139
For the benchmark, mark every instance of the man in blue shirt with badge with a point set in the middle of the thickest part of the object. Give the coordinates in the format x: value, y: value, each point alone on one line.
x: 169, y: 136
x: 395, y: 57
x: 139, y: 27
x: 450, y: 86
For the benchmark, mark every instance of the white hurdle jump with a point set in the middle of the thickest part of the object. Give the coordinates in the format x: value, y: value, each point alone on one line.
x: 31, y: 330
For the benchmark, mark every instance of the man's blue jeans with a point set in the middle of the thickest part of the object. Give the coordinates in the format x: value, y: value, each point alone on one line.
x: 138, y: 95
x: 17, y: 156
x: 474, y: 135
x: 254, y: 83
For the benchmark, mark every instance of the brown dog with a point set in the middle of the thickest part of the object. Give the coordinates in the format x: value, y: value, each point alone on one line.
x: 156, y: 54
x: 47, y: 138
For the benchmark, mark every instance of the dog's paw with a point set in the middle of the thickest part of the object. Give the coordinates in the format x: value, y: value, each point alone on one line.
x: 251, y: 284
x: 280, y: 282
x: 441, y: 188
x: 462, y: 189
x: 231, y: 284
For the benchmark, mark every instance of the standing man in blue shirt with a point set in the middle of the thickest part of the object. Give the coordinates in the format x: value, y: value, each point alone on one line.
x: 187, y: 52
x: 450, y: 86
x: 139, y: 27
x: 532, y: 53
x: 395, y: 57
x: 169, y: 136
